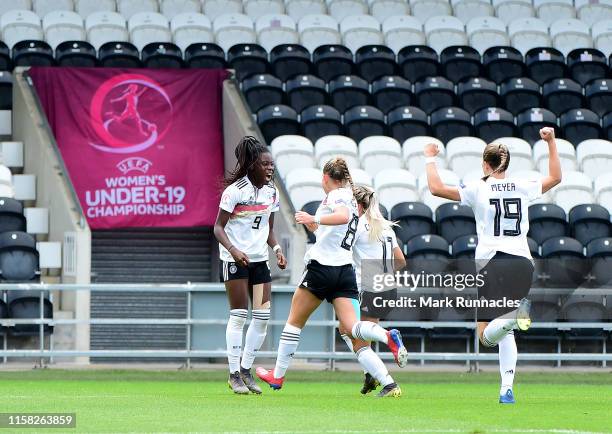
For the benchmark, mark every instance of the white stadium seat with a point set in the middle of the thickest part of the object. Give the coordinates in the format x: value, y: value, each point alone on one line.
x: 360, y: 30
x: 7, y: 191
x: 531, y: 175
x: 340, y: 9
x: 520, y: 153
x: 172, y: 8
x: 15, y: 5
x: 12, y: 154
x: 486, y: 32
x: 292, y: 152
x: 509, y: 10
x: 528, y: 33
x: 394, y: 186
x: 566, y: 151
x: 464, y: 154
x: 6, y: 177
x: 190, y: 28
x: 50, y: 254
x: 214, y: 8
x: 298, y: 9
x: 257, y: 8
x: 568, y: 34
x: 425, y: 9
x: 147, y: 27
x: 317, y: 30
x: 24, y: 187
x: 465, y: 10
x: 304, y: 185
x: 412, y: 153
x: 361, y: 177
x: 383, y: 9
x: 603, y: 190
x: 444, y: 31
x: 575, y: 188
x: 602, y: 36
x: 20, y: 25
x: 273, y: 30
x: 550, y: 11
x: 61, y: 26
x: 328, y: 147
x: 103, y: 27
x: 129, y: 8
x: 594, y: 157
x: 448, y: 178
x: 43, y: 7
x: 378, y: 153
x: 87, y: 7
x: 402, y: 30
x: 37, y: 220
x: 232, y: 29
x: 593, y: 11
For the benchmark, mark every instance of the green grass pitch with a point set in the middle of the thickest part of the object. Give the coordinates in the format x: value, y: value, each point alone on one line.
x: 311, y: 402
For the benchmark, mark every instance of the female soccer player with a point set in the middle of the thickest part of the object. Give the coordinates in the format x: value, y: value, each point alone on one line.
x: 244, y: 229
x: 329, y: 275
x: 375, y: 251
x: 502, y: 254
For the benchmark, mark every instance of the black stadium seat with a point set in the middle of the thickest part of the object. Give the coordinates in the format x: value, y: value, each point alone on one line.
x: 460, y: 63
x: 6, y: 90
x: 26, y: 305
x: 417, y: 62
x: 545, y: 63
x: 363, y: 121
x: 579, y: 124
x: 391, y: 92
x: 119, y: 55
x: 277, y: 120
x: 532, y: 120
x: 586, y: 64
x: 208, y: 55
x: 375, y: 61
x: 304, y: 91
x: 384, y: 211
x: 433, y: 93
x: 247, y: 60
x: 454, y: 220
x: 503, y: 63
x: 18, y: 257
x: 477, y: 93
x: 588, y: 222
x: 546, y: 220
x: 564, y: 263
x: 162, y: 55
x: 599, y: 252
x: 599, y: 96
x: 492, y: 123
x: 347, y: 91
x: 289, y: 60
x: 330, y: 61
x: 406, y: 122
x: 427, y: 253
x: 321, y: 120
x: 11, y: 215
x: 76, y: 53
x: 463, y: 249
x: 534, y: 248
x: 413, y: 218
x: 311, y: 208
x: 581, y: 307
x: 561, y: 95
x: 450, y: 122
x: 262, y: 90
x: 32, y: 53
x: 519, y: 94
x: 6, y: 64
x: 607, y: 126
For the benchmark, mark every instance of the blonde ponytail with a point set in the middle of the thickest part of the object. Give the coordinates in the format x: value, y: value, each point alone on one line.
x: 368, y: 199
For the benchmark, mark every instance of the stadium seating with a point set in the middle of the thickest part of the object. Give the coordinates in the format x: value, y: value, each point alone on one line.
x: 379, y: 153
x: 191, y: 28
x: 589, y: 222
x: 321, y: 120
x: 599, y: 252
x: 454, y: 220
x: 546, y: 221
x: 76, y: 53
x: 565, y: 265
x: 329, y: 147
x: 413, y: 218
x: 395, y: 186
x: 427, y: 253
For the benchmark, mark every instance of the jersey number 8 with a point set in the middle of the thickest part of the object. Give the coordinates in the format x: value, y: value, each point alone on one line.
x: 349, y: 238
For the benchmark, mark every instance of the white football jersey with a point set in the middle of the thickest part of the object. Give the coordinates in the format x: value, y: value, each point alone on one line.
x: 334, y: 243
x: 502, y: 221
x: 248, y: 227
x: 379, y: 253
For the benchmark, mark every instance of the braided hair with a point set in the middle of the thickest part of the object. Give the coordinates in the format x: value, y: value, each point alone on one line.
x: 497, y: 156
x: 247, y: 153
x: 338, y: 170
x: 368, y: 199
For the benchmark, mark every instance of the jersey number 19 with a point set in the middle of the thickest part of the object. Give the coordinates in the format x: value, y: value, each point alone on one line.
x: 508, y: 214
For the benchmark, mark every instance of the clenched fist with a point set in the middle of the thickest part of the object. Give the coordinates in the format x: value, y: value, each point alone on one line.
x: 547, y: 134
x: 431, y: 150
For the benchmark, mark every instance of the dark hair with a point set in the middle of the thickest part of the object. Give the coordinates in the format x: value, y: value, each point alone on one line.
x: 247, y: 153
x: 497, y: 156
x: 337, y: 169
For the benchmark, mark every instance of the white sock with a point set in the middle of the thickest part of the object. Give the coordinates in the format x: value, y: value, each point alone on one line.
x: 507, y: 362
x: 233, y: 337
x: 371, y: 363
x: 348, y: 341
x: 255, y: 335
x: 369, y: 331
x: 496, y: 330
x: 289, y: 340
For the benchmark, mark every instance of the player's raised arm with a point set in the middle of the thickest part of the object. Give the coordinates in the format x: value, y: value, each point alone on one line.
x: 554, y: 165
x: 436, y: 186
x: 340, y: 216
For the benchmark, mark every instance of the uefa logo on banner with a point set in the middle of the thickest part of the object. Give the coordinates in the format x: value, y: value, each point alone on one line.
x: 129, y: 113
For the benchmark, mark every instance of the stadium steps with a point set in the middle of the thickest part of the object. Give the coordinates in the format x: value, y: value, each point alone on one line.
x: 143, y: 256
